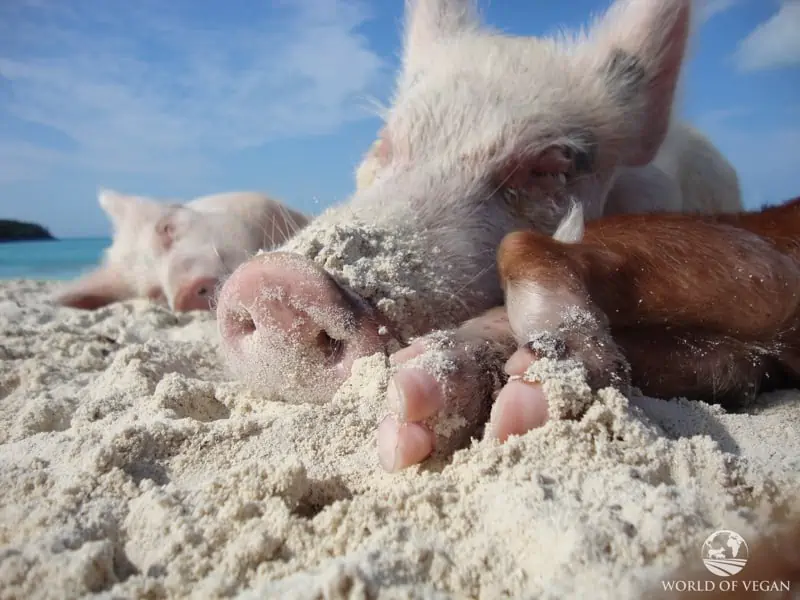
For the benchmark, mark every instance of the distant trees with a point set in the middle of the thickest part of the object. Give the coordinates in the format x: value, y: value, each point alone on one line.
x: 17, y: 231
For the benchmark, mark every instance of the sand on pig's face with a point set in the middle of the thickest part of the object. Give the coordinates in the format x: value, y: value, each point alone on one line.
x: 133, y: 467
x: 408, y: 272
x: 406, y: 277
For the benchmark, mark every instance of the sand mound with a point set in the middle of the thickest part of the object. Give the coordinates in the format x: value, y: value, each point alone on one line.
x: 132, y: 467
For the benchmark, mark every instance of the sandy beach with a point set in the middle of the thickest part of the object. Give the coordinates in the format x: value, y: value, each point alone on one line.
x: 133, y: 467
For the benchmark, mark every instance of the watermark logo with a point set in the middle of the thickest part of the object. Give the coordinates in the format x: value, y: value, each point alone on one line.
x: 725, y: 553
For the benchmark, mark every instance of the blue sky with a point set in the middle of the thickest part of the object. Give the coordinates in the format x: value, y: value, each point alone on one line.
x: 183, y: 98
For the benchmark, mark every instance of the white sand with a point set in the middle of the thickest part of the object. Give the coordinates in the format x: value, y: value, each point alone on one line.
x: 129, y: 466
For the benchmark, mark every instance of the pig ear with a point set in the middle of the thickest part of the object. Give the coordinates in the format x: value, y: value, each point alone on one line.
x: 124, y: 208
x: 429, y: 21
x: 642, y: 45
x: 114, y: 203
x: 99, y: 288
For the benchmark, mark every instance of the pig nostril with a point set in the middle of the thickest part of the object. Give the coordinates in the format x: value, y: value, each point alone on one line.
x: 330, y: 347
x: 202, y: 291
x: 248, y: 325
x: 243, y: 323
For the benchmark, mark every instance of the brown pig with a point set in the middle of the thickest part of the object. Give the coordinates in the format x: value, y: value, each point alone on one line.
x: 705, y: 307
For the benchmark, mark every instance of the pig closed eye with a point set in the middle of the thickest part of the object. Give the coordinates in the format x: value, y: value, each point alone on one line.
x: 166, y: 233
x: 561, y: 164
x: 580, y: 160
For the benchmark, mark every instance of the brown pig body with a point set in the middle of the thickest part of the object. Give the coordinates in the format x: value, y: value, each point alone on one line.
x: 700, y: 306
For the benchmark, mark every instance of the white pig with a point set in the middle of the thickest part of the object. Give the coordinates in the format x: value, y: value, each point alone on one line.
x: 487, y: 133
x: 177, y: 253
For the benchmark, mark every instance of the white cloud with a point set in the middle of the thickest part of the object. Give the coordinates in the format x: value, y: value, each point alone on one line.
x: 142, y: 88
x: 710, y: 8
x: 775, y: 43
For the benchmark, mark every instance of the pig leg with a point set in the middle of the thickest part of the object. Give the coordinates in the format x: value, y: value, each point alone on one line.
x: 711, y: 367
x: 572, y: 331
x: 443, y: 389
x: 99, y: 288
x: 701, y: 365
x: 551, y: 316
x: 789, y: 359
x: 441, y: 392
x: 548, y: 302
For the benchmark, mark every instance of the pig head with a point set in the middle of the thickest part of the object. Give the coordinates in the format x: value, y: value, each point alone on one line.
x: 129, y: 265
x: 177, y: 253
x: 202, y: 242
x: 487, y: 133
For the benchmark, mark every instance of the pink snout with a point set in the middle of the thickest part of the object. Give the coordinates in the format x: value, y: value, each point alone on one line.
x: 195, y: 295
x: 284, y: 320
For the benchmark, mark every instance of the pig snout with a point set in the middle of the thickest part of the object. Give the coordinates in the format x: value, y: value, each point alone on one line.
x: 288, y: 327
x: 195, y: 294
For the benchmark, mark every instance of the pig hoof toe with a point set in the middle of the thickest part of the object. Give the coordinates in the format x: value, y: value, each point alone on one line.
x: 437, y: 398
x: 403, y: 444
x: 521, y: 405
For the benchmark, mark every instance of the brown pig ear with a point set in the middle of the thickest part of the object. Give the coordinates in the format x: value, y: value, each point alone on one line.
x: 99, y: 288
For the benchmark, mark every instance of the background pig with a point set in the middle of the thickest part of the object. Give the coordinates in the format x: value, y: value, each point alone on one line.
x: 177, y: 253
x: 487, y: 134
x: 203, y: 241
x: 129, y: 266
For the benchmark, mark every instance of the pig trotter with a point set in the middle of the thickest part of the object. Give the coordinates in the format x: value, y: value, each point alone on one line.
x: 441, y: 393
x: 522, y: 405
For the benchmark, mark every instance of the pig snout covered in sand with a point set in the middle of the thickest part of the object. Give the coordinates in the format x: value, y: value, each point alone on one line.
x: 178, y: 253
x: 704, y: 307
x: 487, y: 134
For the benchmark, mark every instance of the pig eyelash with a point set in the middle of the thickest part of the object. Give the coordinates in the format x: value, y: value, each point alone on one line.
x: 552, y: 170
x: 562, y: 163
x: 560, y: 178
x: 557, y: 167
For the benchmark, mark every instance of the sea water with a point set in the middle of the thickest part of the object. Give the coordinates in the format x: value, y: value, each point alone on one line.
x: 53, y: 259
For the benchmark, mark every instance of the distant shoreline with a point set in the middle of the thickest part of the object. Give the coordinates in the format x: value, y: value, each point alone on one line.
x: 12, y: 230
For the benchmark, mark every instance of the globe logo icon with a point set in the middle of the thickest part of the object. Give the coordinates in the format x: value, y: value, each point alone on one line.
x: 725, y: 553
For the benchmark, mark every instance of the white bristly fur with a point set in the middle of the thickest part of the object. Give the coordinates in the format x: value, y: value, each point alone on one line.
x: 570, y: 230
x: 469, y: 101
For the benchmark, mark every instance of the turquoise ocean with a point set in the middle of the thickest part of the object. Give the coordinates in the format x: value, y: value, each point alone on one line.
x: 56, y: 259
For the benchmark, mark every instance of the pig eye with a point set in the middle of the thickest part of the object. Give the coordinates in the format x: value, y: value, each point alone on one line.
x: 550, y: 169
x: 553, y: 162
x: 561, y: 164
